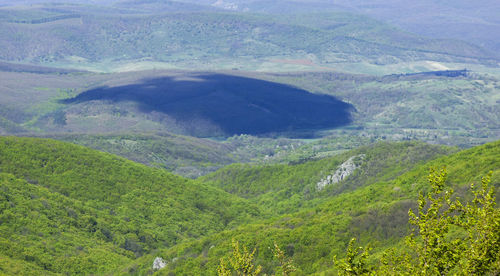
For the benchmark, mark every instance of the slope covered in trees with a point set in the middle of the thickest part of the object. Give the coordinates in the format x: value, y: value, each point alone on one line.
x: 66, y: 208
x: 69, y: 209
x: 376, y: 214
x: 284, y: 188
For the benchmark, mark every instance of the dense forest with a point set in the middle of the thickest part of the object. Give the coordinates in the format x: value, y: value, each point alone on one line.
x: 69, y: 209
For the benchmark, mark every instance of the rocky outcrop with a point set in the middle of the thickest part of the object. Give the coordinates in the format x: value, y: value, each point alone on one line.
x: 159, y: 263
x: 225, y: 5
x: 343, y: 171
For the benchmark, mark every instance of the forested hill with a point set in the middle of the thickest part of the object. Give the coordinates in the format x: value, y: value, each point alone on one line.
x: 68, y: 209
x: 285, y: 188
x: 375, y: 214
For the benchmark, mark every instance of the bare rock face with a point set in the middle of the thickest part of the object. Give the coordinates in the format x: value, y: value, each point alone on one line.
x: 225, y: 5
x: 343, y: 171
x: 159, y: 263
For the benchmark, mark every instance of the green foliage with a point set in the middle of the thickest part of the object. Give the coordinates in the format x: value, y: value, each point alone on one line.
x: 65, y: 208
x: 437, y: 250
x: 241, y: 262
x: 481, y: 219
x: 435, y: 254
x: 286, y: 266
x: 355, y: 261
x: 375, y: 213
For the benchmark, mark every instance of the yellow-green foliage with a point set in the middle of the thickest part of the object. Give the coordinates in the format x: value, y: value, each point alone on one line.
x: 355, y: 261
x: 241, y: 262
x: 472, y: 248
x: 375, y: 214
x: 69, y: 209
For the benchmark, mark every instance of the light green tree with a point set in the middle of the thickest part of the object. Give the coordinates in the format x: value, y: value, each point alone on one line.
x: 433, y: 249
x: 481, y: 220
x: 355, y: 261
x: 435, y: 253
x: 241, y: 262
x: 286, y: 264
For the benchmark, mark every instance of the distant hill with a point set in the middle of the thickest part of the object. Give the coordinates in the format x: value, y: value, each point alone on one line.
x: 474, y: 22
x: 102, y: 37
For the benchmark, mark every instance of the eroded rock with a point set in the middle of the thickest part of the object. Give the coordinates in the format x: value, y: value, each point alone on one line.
x: 159, y: 263
x: 342, y: 172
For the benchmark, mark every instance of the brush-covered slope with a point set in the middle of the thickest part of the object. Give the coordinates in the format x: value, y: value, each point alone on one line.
x: 375, y: 213
x: 476, y: 22
x: 79, y: 35
x: 183, y: 155
x: 68, y: 209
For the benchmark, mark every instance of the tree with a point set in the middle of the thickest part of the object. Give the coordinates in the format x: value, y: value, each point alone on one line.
x: 435, y: 253
x: 482, y: 221
x: 241, y: 262
x: 286, y: 264
x: 433, y: 248
x: 355, y: 261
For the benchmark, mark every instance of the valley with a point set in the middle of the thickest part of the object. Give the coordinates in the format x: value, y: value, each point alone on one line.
x: 350, y: 110
x: 228, y: 137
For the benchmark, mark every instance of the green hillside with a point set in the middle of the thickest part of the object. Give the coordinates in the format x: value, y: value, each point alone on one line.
x: 68, y: 209
x: 375, y: 213
x: 303, y: 137
x: 286, y: 188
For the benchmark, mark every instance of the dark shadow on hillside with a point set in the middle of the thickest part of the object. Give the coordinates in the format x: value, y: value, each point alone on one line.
x: 237, y: 105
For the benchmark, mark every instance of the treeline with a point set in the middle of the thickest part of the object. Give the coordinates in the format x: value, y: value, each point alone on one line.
x: 47, y: 19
